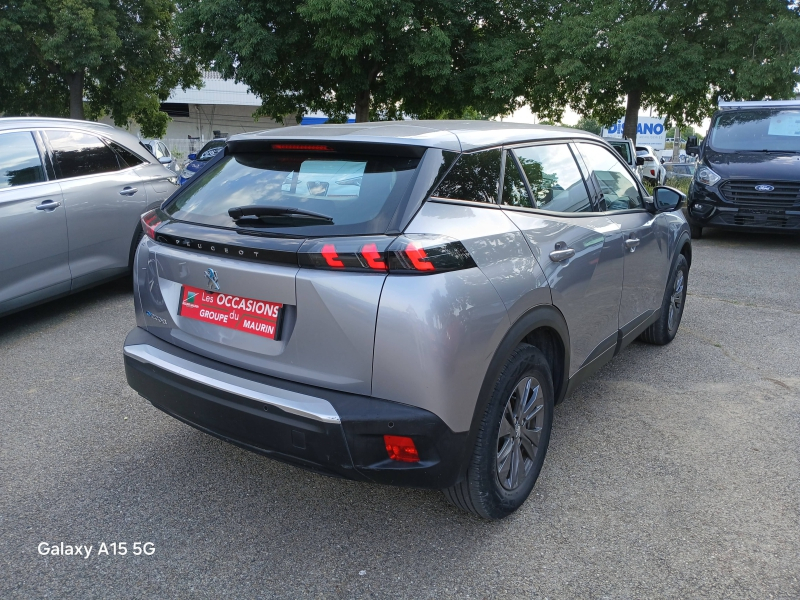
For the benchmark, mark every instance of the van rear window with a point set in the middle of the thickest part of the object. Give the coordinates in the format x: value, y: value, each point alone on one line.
x: 355, y: 194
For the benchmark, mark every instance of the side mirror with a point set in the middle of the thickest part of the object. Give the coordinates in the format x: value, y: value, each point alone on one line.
x: 639, y: 161
x: 692, y: 146
x: 192, y: 156
x: 165, y: 160
x: 667, y: 199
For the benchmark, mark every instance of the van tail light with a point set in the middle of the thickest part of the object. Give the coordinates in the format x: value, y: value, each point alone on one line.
x: 413, y: 254
x: 150, y: 220
x: 401, y: 448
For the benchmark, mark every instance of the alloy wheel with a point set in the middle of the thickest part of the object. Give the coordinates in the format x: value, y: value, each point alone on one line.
x: 520, y: 430
x: 676, y: 301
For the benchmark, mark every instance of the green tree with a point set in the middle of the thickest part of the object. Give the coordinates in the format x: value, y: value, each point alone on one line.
x: 377, y: 58
x: 119, y: 56
x: 590, y: 125
x: 677, y: 56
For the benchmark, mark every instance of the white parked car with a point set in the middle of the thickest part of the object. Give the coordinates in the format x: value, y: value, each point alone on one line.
x: 159, y: 149
x: 652, y: 171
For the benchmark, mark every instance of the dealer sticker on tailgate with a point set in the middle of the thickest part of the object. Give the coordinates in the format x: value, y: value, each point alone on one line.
x: 245, y: 314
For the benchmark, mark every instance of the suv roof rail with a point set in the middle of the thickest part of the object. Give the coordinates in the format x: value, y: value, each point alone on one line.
x: 759, y: 104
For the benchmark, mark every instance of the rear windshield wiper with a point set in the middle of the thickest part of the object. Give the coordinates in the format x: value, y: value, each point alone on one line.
x: 279, y: 214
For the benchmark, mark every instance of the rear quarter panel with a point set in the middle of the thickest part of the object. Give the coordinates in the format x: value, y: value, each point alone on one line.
x: 437, y: 334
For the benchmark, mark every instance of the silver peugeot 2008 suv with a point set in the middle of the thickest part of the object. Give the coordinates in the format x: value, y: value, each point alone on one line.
x: 402, y: 303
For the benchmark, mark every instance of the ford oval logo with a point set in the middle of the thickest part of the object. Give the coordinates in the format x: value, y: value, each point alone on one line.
x: 765, y: 188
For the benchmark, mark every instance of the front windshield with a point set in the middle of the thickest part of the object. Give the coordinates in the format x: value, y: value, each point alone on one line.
x: 776, y: 130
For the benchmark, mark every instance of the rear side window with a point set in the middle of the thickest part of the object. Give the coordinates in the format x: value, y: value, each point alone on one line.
x: 128, y: 157
x: 474, y: 177
x: 349, y: 194
x: 20, y: 163
x: 554, y: 178
x: 78, y: 154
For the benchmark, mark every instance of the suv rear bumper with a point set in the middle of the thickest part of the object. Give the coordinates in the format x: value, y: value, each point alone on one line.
x: 322, y: 430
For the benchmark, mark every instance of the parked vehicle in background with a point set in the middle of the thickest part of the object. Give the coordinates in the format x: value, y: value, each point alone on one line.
x: 402, y: 302
x: 748, y: 173
x: 159, y: 149
x: 627, y: 151
x: 198, y: 161
x: 680, y: 170
x: 71, y: 197
x: 651, y: 169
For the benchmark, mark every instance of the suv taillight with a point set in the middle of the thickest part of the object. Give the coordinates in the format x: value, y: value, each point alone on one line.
x: 411, y: 254
x: 150, y: 220
x: 421, y: 253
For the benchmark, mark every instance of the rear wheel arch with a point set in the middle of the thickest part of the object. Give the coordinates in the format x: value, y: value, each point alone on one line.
x: 543, y: 324
x: 685, y: 245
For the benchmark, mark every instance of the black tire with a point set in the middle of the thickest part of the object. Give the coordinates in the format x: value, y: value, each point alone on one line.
x: 137, y: 237
x: 696, y: 232
x: 526, y: 374
x: 663, y: 331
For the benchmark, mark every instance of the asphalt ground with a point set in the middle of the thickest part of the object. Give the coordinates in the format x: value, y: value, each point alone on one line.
x: 673, y: 473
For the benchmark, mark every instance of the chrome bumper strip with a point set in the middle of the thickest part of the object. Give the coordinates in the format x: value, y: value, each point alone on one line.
x: 292, y: 402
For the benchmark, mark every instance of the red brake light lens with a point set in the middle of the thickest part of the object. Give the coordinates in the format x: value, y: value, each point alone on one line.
x: 303, y: 147
x: 428, y: 254
x: 401, y: 448
x: 373, y: 257
x: 418, y: 257
x: 410, y: 254
x: 150, y: 220
x: 331, y: 256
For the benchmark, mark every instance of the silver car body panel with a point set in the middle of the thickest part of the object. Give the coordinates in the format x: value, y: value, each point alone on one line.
x: 32, y: 263
x: 94, y: 221
x: 435, y: 337
x: 303, y: 405
x: 587, y: 287
x: 425, y: 340
x: 497, y: 246
x: 457, y: 136
x: 328, y: 327
x: 646, y: 266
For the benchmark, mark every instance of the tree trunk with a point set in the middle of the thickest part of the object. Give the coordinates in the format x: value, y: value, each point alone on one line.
x: 676, y: 145
x: 362, y: 106
x: 632, y: 115
x: 75, y: 82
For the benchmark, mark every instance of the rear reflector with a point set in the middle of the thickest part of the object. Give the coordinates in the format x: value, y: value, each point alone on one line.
x: 150, y: 220
x: 303, y: 147
x: 401, y: 448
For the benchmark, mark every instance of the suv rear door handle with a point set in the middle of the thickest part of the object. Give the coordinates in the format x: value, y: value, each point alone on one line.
x: 128, y: 191
x: 561, y: 252
x: 632, y: 242
x: 48, y: 205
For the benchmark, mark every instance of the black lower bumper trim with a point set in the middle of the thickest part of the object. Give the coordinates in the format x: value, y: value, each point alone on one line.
x: 353, y: 449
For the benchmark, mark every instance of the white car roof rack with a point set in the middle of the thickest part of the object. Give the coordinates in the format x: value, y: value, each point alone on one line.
x: 760, y: 104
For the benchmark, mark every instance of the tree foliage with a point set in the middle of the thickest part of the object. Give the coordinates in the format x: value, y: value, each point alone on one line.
x: 590, y: 125
x: 677, y: 56
x: 120, y: 56
x: 377, y: 58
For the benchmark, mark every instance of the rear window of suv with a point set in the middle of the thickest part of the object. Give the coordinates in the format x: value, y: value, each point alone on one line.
x: 359, y: 194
